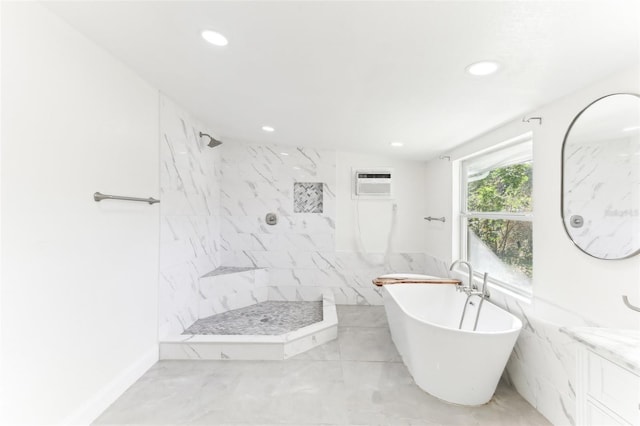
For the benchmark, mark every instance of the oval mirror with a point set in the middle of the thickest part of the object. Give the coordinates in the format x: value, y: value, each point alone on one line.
x: 601, y: 177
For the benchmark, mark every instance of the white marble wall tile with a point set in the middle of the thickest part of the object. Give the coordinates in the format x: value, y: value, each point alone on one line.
x: 237, y: 258
x: 299, y: 293
x: 258, y: 179
x: 309, y: 242
x: 332, y: 278
x: 240, y: 224
x: 524, y: 380
x: 231, y: 241
x: 362, y: 278
x: 559, y: 408
x: 408, y: 262
x: 285, y: 225
x: 182, y: 350
x: 267, y: 242
x: 176, y: 305
x: 190, y: 216
x: 283, y: 293
x: 261, y: 279
x: 222, y: 293
x: 246, y: 351
x: 542, y: 366
x: 300, y: 250
x: 354, y: 261
x: 232, y: 206
x: 314, y: 224
x: 358, y: 296
x: 436, y: 267
x: 320, y: 259
x: 252, y: 189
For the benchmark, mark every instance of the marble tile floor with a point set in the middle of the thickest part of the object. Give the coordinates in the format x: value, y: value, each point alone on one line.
x: 266, y: 318
x: 357, y: 379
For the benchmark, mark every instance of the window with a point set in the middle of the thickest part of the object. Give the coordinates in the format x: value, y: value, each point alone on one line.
x: 496, y: 226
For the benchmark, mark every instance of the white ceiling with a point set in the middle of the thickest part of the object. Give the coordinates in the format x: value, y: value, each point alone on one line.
x: 358, y: 75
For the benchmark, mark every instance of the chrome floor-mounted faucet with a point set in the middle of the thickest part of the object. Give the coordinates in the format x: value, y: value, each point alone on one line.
x: 471, y: 290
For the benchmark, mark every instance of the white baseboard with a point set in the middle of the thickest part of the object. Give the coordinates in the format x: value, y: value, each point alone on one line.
x: 96, y: 405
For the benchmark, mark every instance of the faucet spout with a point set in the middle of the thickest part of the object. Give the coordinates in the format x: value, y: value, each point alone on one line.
x: 469, y: 267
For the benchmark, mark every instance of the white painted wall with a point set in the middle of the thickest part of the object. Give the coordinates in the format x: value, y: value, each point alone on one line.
x: 439, y: 192
x: 79, y: 301
x: 563, y: 274
x: 409, y: 182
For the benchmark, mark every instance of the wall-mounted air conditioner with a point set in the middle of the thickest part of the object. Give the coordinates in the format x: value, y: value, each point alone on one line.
x: 373, y: 183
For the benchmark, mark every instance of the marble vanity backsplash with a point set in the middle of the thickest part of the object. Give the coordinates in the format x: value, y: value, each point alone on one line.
x: 620, y: 346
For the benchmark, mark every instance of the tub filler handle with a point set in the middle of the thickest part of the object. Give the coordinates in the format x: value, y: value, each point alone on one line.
x: 482, y: 294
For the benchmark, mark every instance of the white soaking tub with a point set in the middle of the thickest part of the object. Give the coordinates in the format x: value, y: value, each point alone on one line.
x: 456, y: 365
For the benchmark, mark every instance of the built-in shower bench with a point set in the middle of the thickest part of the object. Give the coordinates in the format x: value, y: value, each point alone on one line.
x: 224, y: 270
x: 231, y: 287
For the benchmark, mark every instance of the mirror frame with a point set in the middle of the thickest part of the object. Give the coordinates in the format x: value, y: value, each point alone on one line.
x: 562, y: 180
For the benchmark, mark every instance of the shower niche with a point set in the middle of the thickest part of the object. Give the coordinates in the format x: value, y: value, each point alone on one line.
x: 308, y: 197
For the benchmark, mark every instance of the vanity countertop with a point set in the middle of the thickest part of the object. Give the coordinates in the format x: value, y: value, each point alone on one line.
x: 620, y: 346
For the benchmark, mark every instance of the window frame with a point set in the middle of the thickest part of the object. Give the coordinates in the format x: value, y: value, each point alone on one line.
x: 463, y: 215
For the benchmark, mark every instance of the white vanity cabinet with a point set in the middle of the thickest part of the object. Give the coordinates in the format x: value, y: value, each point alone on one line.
x: 608, y: 377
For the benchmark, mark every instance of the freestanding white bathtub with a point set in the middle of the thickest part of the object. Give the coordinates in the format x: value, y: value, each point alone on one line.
x: 456, y: 365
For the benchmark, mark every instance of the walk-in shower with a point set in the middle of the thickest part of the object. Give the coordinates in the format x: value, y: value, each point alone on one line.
x: 241, y: 315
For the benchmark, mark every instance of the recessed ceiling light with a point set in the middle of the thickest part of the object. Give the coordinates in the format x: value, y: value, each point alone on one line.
x: 630, y: 129
x: 268, y: 129
x: 215, y: 38
x: 284, y: 153
x: 396, y: 144
x: 483, y: 68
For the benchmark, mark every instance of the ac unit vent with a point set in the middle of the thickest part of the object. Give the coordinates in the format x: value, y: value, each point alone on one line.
x: 373, y: 183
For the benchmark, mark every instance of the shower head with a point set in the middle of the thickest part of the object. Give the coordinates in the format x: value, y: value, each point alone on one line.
x: 212, y: 142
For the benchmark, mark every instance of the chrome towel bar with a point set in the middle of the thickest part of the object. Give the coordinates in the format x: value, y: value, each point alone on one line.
x: 99, y: 197
x: 429, y: 218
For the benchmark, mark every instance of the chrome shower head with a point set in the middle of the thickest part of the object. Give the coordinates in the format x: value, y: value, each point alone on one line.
x: 212, y: 142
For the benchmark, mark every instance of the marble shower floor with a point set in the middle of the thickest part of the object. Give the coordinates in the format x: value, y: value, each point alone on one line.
x: 357, y: 379
x: 266, y: 318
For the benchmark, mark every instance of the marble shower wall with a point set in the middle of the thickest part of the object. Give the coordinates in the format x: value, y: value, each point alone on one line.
x: 299, y: 251
x: 189, y: 214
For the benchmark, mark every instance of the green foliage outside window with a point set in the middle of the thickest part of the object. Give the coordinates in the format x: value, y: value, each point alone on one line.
x: 505, y: 190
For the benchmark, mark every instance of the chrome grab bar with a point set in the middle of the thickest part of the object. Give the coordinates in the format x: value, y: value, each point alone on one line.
x: 625, y: 299
x: 99, y: 197
x: 429, y: 218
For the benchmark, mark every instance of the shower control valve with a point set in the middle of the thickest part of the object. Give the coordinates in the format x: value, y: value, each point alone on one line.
x: 271, y: 219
